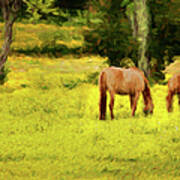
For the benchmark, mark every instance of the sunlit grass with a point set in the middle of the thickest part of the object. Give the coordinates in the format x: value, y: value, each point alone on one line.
x: 38, y: 37
x: 49, y: 126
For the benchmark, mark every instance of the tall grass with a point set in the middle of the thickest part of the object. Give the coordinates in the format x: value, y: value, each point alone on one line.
x: 49, y: 127
x: 42, y: 39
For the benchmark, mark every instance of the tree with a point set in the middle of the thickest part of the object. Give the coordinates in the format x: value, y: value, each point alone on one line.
x: 111, y: 34
x: 164, y: 30
x: 146, y: 31
x: 10, y: 10
x: 39, y: 9
x: 52, y: 10
x: 141, y: 17
x: 138, y: 14
x: 71, y: 4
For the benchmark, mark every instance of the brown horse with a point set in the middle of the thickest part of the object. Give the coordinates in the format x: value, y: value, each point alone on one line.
x: 124, y: 82
x: 173, y: 88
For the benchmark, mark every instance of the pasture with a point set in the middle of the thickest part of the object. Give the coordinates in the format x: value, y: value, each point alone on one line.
x: 49, y: 127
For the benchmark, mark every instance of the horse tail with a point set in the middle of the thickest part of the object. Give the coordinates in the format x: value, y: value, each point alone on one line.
x: 102, y: 101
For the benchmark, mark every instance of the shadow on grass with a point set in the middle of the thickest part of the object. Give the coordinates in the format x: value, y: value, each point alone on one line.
x: 55, y: 51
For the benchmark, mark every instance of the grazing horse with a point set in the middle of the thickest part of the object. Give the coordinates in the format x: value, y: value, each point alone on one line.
x: 123, y: 81
x: 173, y: 88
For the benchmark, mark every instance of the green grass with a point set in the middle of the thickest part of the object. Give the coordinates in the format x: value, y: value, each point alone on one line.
x: 49, y: 127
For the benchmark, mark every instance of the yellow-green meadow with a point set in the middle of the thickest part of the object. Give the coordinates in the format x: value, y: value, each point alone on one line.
x: 49, y: 127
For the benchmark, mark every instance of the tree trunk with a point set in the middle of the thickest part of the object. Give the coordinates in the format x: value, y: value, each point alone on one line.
x: 141, y: 31
x: 9, y: 10
x: 7, y: 43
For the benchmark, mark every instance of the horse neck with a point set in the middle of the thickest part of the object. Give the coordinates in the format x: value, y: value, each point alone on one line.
x: 147, y: 93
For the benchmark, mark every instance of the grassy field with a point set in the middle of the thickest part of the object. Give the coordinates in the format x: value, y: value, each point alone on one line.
x: 49, y: 127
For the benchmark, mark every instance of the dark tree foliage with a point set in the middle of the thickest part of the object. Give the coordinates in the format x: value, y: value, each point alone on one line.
x: 71, y: 4
x: 51, y: 10
x: 112, y: 35
x: 164, y: 37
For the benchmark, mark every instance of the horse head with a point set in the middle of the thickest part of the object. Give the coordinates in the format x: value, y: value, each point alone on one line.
x: 149, y: 107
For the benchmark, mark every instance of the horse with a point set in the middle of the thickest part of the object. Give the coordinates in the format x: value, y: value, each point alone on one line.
x: 131, y: 81
x: 173, y: 89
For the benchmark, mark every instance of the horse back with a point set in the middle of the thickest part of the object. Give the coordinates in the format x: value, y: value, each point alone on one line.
x: 174, y: 83
x: 124, y: 81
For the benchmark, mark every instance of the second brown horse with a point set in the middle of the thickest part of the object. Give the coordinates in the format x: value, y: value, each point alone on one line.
x: 123, y: 81
x: 173, y: 89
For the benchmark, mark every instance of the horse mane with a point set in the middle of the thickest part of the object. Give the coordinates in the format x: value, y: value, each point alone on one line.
x: 146, y: 92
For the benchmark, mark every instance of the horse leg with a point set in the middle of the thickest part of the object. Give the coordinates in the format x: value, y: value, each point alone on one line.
x: 111, y: 104
x: 179, y: 99
x: 169, y: 100
x: 136, y: 97
x: 131, y: 100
